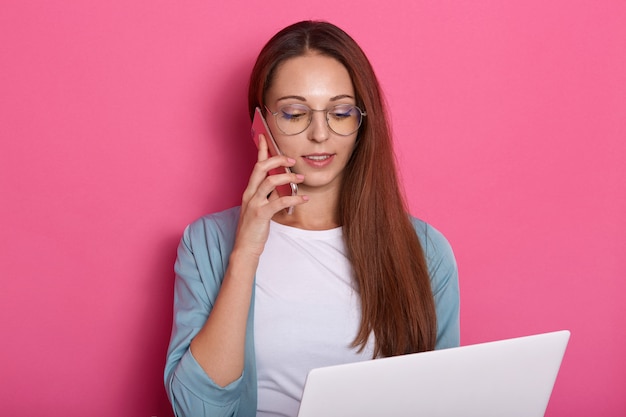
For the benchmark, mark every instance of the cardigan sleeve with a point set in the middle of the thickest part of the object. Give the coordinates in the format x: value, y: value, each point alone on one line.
x: 199, y: 268
x: 444, y: 278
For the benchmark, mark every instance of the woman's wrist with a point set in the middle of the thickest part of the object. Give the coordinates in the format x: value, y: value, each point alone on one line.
x: 243, y: 263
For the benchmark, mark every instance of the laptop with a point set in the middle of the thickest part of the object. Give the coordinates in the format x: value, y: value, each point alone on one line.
x: 512, y: 378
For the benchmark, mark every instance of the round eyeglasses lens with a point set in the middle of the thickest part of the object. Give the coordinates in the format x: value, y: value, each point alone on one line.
x: 343, y: 119
x: 293, y: 119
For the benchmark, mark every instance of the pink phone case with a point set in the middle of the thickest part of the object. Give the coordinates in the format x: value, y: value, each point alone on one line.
x: 259, y: 126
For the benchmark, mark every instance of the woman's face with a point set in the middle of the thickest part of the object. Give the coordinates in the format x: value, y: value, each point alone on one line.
x: 319, y: 82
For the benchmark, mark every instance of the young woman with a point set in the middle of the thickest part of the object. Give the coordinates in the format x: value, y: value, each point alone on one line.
x: 263, y: 296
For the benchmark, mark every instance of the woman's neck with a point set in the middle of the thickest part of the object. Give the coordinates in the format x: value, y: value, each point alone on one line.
x: 319, y: 213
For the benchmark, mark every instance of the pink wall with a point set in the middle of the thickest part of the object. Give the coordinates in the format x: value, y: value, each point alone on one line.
x: 122, y: 121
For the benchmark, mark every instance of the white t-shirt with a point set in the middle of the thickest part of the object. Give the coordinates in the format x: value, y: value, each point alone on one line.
x: 307, y: 313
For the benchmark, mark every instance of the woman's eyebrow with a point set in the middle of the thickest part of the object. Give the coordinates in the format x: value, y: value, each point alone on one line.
x: 341, y: 96
x: 291, y: 98
x: 300, y: 98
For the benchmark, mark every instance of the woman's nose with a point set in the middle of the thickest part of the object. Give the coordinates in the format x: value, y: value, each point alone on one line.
x: 319, y: 130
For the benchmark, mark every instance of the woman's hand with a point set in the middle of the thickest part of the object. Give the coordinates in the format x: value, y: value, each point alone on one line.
x: 219, y: 347
x: 257, y: 209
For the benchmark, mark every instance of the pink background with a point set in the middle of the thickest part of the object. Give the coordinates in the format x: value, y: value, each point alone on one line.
x: 122, y: 121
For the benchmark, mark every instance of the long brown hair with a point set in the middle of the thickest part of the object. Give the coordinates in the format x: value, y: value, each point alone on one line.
x: 390, y: 268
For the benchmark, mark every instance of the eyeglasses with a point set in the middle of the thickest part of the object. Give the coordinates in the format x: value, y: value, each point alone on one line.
x: 343, y: 119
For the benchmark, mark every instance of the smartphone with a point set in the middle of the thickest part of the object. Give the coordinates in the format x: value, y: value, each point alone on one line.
x: 259, y: 127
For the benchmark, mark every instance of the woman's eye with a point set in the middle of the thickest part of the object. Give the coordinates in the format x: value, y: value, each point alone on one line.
x: 293, y: 114
x: 337, y: 115
x: 341, y: 113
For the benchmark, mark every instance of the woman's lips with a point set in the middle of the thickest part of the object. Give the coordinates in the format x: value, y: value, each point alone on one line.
x: 319, y: 160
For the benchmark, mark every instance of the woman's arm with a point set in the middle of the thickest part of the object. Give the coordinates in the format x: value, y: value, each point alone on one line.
x: 219, y: 346
x: 444, y: 279
x: 212, y: 304
x: 202, y: 258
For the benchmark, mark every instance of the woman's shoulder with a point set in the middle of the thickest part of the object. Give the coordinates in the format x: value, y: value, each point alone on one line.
x: 218, y: 220
x: 444, y: 277
x: 434, y: 243
x: 218, y: 226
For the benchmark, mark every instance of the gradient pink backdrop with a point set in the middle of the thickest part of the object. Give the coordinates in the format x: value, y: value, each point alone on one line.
x: 122, y: 121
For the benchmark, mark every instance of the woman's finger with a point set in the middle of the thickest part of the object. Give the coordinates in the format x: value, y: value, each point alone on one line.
x: 262, y: 153
x: 261, y: 171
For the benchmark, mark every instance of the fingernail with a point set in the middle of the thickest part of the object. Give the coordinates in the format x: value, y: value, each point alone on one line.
x: 300, y: 176
x: 305, y: 197
x: 291, y: 160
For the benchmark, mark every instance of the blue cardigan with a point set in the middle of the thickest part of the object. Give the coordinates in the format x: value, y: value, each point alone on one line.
x: 203, y: 256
